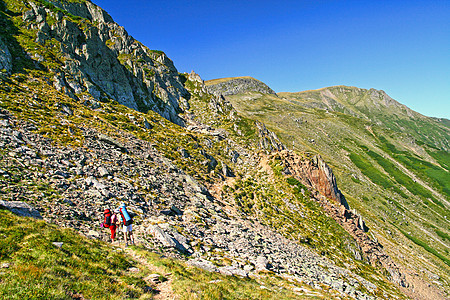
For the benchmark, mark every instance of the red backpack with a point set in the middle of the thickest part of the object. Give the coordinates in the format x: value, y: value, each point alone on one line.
x: 107, y: 221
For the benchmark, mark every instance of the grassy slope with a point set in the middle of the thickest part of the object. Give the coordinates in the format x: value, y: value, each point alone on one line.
x: 264, y: 197
x: 41, y: 270
x: 385, y: 175
x: 95, y: 270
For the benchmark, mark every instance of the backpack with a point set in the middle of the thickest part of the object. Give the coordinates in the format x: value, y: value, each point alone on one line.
x: 127, y: 220
x: 113, y: 219
x: 107, y: 221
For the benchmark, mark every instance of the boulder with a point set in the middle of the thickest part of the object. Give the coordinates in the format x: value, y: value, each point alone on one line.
x: 20, y: 208
x: 230, y: 271
x: 165, y: 238
x: 203, y: 264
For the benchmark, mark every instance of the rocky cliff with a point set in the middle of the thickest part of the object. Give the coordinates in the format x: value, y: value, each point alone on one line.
x: 97, y: 59
x: 318, y: 176
x: 314, y: 173
x: 237, y: 85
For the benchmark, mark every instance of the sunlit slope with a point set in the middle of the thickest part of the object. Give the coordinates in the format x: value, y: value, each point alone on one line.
x: 391, y: 162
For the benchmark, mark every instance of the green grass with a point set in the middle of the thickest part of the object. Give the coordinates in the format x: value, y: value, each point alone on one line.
x: 94, y: 270
x: 370, y: 171
x: 437, y: 176
x: 443, y: 157
x: 443, y: 235
x: 425, y: 246
x: 399, y: 176
x: 193, y: 283
x: 40, y: 270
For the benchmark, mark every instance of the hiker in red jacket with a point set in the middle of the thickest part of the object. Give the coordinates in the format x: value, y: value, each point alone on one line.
x: 110, y: 221
x: 113, y: 226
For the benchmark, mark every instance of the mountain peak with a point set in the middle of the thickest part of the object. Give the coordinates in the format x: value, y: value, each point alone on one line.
x: 237, y: 85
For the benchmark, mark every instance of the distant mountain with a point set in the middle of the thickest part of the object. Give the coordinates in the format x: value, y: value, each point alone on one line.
x: 377, y: 107
x: 237, y: 85
x: 391, y: 163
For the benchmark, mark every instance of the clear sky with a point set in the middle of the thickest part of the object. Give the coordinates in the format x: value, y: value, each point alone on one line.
x: 401, y: 47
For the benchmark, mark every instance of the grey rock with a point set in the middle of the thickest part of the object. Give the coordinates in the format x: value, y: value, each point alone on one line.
x: 133, y: 270
x: 231, y: 270
x: 94, y: 65
x: 176, y: 210
x: 102, y: 171
x: 5, y: 265
x: 168, y: 212
x: 195, y: 185
x: 226, y: 171
x: 58, y: 244
x: 21, y: 209
x: 184, y: 153
x: 147, y: 124
x: 165, y: 238
x: 109, y: 140
x: 268, y: 139
x: 28, y: 15
x: 261, y: 263
x: 5, y: 57
x: 203, y: 264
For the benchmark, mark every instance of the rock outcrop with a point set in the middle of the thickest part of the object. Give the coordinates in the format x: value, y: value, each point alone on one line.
x: 318, y: 176
x: 268, y: 140
x: 314, y: 173
x: 100, y: 59
x: 5, y: 57
x: 238, y: 85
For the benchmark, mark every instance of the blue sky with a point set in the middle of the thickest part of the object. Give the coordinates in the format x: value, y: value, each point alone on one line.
x: 401, y: 47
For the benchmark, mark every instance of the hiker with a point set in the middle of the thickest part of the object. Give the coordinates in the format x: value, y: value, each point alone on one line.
x: 126, y: 220
x: 113, y: 226
x: 109, y: 221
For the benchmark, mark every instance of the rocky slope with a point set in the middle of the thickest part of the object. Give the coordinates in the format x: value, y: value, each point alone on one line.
x: 77, y: 183
x: 391, y: 163
x: 94, y: 57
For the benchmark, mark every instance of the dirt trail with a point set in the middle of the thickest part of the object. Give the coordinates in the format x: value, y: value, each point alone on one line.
x: 164, y: 288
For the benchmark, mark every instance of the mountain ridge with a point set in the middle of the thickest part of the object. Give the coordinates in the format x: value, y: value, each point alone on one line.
x: 306, y: 202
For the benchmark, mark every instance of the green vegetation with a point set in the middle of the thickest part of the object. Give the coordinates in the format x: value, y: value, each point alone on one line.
x: 439, y: 177
x: 190, y: 283
x: 443, y: 235
x: 424, y: 245
x: 370, y: 171
x: 399, y: 176
x: 38, y: 269
x: 56, y: 9
x: 91, y: 269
